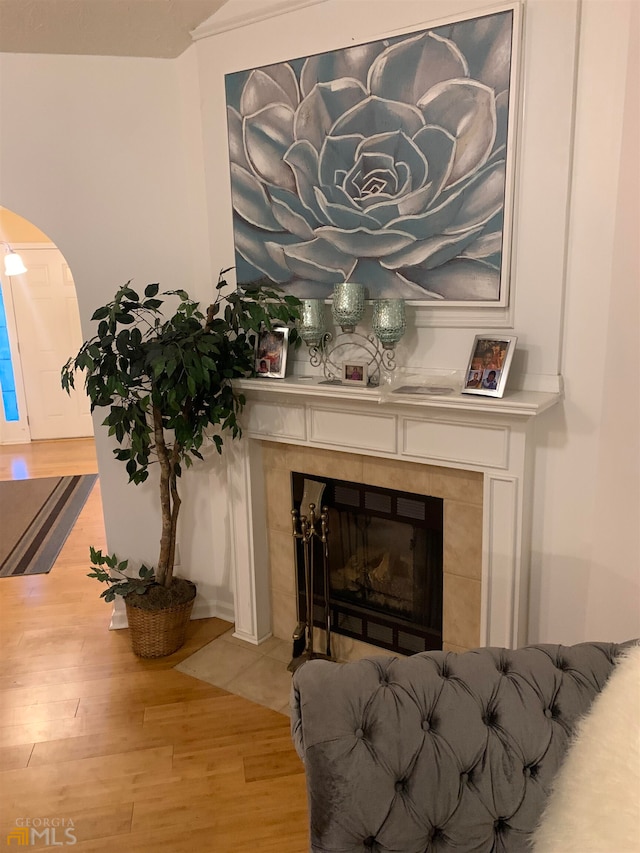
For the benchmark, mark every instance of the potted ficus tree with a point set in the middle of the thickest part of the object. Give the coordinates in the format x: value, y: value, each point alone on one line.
x: 167, y: 383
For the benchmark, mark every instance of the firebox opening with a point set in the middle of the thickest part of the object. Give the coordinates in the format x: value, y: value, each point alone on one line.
x: 385, y: 565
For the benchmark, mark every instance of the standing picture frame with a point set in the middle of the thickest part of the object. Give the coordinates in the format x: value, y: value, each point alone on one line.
x: 271, y: 352
x: 354, y: 372
x: 489, y: 365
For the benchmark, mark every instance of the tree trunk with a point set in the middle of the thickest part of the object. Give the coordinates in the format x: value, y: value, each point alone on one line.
x: 169, y: 502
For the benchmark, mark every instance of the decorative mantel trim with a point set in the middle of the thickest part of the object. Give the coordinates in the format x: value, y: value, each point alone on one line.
x: 493, y: 436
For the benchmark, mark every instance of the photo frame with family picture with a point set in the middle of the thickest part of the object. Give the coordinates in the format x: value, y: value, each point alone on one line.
x: 489, y: 364
x: 271, y: 352
x: 354, y: 372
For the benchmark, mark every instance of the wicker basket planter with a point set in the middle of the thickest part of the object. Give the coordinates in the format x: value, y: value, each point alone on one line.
x: 157, y: 633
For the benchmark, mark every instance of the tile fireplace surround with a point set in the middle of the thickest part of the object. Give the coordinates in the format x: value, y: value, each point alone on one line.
x: 474, y: 452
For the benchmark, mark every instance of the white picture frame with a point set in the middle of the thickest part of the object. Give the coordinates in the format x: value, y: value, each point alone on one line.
x: 354, y: 372
x: 271, y: 352
x: 489, y: 364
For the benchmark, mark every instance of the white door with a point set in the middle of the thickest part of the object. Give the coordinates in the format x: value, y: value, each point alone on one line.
x: 48, y: 327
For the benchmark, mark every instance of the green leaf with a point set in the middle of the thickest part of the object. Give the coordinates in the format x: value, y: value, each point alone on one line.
x: 151, y: 289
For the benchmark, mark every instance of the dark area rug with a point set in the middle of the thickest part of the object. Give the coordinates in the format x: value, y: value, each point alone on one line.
x: 36, y: 516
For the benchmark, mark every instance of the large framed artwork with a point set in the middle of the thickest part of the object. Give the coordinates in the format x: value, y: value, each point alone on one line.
x: 388, y: 163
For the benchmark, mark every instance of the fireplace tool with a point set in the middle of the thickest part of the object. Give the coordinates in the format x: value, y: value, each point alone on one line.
x: 306, y: 528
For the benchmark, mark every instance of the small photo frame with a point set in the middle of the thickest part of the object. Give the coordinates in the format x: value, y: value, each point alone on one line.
x: 354, y: 372
x: 489, y: 365
x: 271, y: 352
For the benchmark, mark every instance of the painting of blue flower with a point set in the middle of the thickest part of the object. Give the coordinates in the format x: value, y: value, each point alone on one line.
x: 384, y: 163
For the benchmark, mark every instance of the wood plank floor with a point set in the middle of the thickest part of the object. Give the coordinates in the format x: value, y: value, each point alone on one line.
x: 140, y: 757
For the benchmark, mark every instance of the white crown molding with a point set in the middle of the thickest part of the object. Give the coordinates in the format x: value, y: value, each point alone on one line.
x: 213, y: 27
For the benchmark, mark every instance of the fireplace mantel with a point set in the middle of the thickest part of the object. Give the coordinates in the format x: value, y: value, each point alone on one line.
x: 490, y: 435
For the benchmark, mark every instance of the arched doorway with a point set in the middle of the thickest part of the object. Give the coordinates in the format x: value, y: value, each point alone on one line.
x: 43, y: 325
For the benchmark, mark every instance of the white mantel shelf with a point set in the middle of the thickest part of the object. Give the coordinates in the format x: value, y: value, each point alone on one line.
x: 491, y: 435
x: 518, y: 404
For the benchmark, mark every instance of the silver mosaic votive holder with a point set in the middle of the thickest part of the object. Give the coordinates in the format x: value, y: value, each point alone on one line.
x: 348, y: 305
x: 312, y: 324
x: 389, y: 321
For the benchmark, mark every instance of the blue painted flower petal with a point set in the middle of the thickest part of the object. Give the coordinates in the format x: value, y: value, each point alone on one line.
x: 402, y: 150
x: 375, y: 116
x: 236, y: 139
x: 483, y: 198
x: 438, y: 148
x: 251, y: 201
x: 249, y: 244
x: 432, y: 252
x: 303, y: 159
x: 286, y: 205
x: 268, y: 134
x: 274, y: 84
x: 459, y: 280
x: 387, y: 284
x: 319, y: 260
x: 372, y: 175
x: 337, y: 158
x: 484, y: 247
x: 365, y: 243
x: 431, y: 58
x: 352, y: 62
x: 321, y: 108
x: 344, y: 215
x: 466, y: 109
x: 486, y: 44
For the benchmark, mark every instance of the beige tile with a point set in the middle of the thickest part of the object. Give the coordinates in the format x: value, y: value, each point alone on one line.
x: 461, y: 611
x: 274, y: 647
x: 219, y: 662
x: 282, y: 562
x: 267, y: 682
x: 327, y: 463
x: 280, y: 649
x: 457, y: 485
x: 463, y: 539
x: 277, y: 484
x: 287, y: 457
x: 450, y: 647
x: 284, y: 617
x: 399, y: 475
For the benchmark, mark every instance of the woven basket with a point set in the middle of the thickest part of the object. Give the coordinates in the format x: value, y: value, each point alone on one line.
x: 157, y: 633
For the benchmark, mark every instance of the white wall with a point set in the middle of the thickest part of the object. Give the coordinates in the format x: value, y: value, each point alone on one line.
x: 586, y: 541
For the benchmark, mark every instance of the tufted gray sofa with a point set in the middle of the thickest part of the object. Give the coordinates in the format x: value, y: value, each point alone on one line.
x: 439, y: 751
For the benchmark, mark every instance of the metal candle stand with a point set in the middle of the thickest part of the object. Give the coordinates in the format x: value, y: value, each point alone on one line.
x: 305, y: 529
x: 331, y: 352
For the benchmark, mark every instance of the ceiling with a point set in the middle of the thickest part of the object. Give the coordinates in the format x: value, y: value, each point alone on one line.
x: 151, y: 28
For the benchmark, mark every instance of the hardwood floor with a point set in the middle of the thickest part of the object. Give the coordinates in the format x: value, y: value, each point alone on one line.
x: 138, y: 756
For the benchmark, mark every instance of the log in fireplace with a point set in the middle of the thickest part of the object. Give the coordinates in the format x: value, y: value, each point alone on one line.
x: 385, y: 564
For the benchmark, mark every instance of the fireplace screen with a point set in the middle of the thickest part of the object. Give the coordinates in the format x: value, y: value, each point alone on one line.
x: 384, y: 564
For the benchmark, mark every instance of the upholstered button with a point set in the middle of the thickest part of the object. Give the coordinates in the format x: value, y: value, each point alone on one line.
x: 399, y: 786
x: 526, y: 771
x: 369, y: 842
x: 426, y: 725
x: 548, y: 712
x: 464, y: 778
x: 359, y: 732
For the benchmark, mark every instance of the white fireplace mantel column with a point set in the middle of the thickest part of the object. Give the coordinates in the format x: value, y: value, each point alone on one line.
x: 486, y: 434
